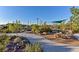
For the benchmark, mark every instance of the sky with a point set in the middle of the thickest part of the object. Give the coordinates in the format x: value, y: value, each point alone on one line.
x: 31, y: 13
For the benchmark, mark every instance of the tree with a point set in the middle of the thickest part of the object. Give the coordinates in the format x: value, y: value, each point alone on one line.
x: 74, y: 11
x: 74, y: 19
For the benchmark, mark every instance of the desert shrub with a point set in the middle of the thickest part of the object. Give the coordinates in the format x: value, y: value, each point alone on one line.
x: 35, y: 28
x: 41, y: 28
x: 13, y: 27
x: 62, y: 26
x: 44, y: 29
x: 17, y: 44
x: 4, y: 40
x: 33, y: 48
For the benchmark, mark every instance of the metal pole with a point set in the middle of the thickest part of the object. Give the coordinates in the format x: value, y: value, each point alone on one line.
x: 37, y: 20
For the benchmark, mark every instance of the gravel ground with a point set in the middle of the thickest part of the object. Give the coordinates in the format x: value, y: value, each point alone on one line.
x: 47, y: 45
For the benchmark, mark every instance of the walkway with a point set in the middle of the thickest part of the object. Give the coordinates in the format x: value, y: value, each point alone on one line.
x: 47, y: 45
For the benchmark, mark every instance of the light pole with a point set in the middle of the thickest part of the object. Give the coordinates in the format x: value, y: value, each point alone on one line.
x: 37, y: 21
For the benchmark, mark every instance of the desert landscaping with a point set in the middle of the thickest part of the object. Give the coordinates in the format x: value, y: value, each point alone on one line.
x: 60, y: 36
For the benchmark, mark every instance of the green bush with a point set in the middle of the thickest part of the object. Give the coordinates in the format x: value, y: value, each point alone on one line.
x: 44, y: 29
x: 12, y: 27
x: 35, y: 28
x: 41, y: 28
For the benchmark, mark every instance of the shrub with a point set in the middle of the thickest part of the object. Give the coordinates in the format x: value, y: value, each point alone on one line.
x: 35, y: 28
x: 41, y: 28
x: 4, y: 40
x: 33, y: 48
x: 44, y: 29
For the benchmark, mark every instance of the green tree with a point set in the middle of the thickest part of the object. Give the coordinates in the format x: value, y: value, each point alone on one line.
x: 74, y: 19
x: 74, y: 11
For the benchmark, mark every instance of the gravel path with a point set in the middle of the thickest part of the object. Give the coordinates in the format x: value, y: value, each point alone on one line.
x: 47, y: 45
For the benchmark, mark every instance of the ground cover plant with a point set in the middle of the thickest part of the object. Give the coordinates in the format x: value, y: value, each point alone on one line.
x: 17, y: 44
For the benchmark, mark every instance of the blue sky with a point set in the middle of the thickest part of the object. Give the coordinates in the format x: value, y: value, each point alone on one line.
x: 25, y: 13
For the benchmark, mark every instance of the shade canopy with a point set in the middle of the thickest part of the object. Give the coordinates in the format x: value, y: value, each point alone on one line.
x: 60, y: 21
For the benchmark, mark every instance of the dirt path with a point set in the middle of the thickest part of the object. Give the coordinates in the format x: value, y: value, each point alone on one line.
x: 47, y: 45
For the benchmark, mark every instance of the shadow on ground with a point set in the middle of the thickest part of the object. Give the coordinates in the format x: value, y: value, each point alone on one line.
x: 49, y: 47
